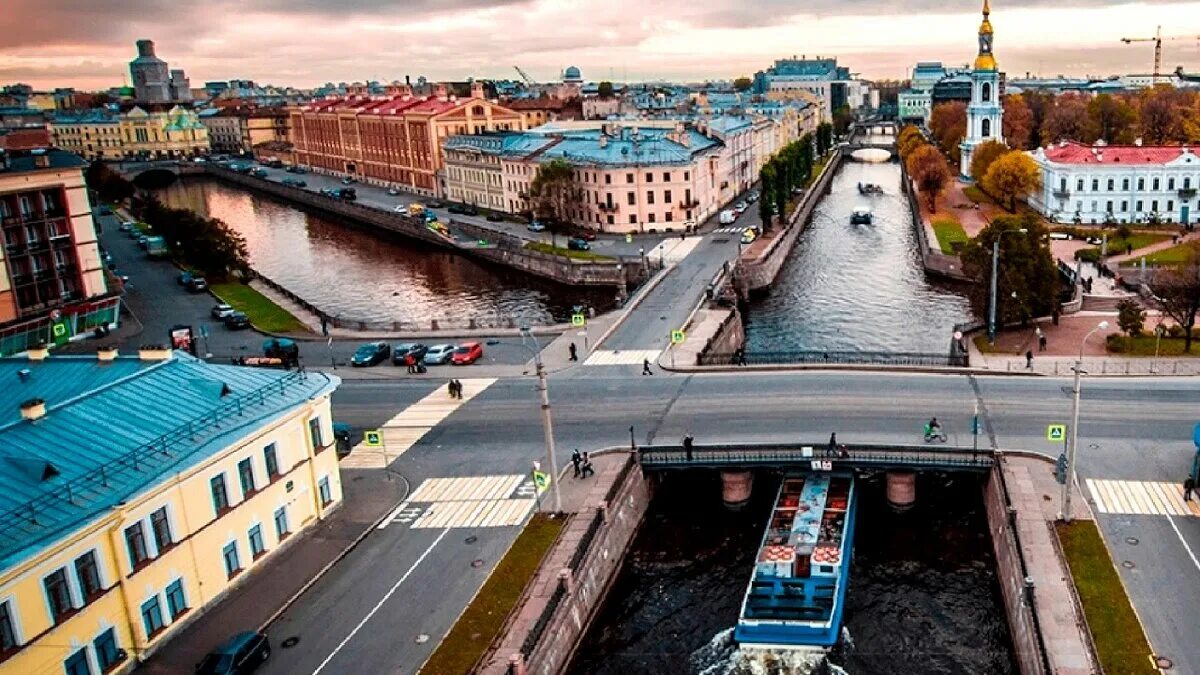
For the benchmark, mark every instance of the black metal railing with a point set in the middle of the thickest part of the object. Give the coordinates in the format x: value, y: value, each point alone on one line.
x: 755, y: 358
x: 818, y: 456
x: 585, y: 542
x: 539, y: 626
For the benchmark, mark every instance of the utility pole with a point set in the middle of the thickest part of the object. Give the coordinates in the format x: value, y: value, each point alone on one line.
x: 1074, y: 428
x: 547, y: 422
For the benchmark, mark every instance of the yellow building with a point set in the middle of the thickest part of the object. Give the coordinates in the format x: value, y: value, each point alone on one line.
x: 94, y: 134
x: 137, y: 490
x: 177, y: 132
x: 267, y: 125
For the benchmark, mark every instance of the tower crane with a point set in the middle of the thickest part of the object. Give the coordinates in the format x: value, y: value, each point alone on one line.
x: 1157, y: 40
x: 525, y: 76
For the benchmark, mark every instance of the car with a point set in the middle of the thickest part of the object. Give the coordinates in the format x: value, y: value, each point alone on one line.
x: 125, y: 226
x: 577, y: 244
x: 184, y: 278
x: 294, y: 182
x: 292, y: 169
x: 749, y: 235
x: 240, y: 654
x: 401, y: 208
x: 463, y: 209
x: 199, y: 160
x: 494, y: 217
x: 348, y: 181
x: 106, y: 257
x: 535, y: 226
x: 438, y: 354
x: 371, y: 354
x: 142, y: 240
x: 741, y: 207
x: 405, y: 349
x: 222, y: 310
x: 197, y: 285
x: 467, y: 353
x: 393, y: 191
x: 435, y: 204
x: 751, y: 198
x: 237, y: 321
x: 586, y: 235
x: 259, y: 173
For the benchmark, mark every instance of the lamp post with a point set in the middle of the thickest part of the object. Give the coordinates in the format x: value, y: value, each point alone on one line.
x: 547, y: 424
x: 1074, y: 428
x: 995, y: 274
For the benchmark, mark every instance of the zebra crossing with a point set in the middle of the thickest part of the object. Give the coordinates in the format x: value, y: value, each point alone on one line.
x: 1136, y: 497
x: 408, y: 426
x: 466, y: 501
x: 626, y: 357
x: 729, y: 230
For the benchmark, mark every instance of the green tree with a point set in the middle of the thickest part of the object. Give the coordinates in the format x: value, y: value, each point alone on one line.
x: 553, y: 190
x: 781, y: 192
x: 1012, y: 176
x: 929, y: 170
x: 605, y: 89
x: 1131, y: 318
x: 207, y: 244
x: 743, y: 84
x: 843, y: 117
x: 766, y: 181
x: 983, y: 157
x: 1028, y: 278
x: 824, y: 138
x: 1177, y: 289
x: 108, y: 184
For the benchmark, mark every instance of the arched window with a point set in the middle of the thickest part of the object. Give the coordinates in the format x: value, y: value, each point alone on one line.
x: 987, y: 127
x: 987, y: 92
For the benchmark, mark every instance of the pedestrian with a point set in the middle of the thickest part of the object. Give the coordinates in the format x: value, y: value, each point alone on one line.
x: 1028, y: 359
x: 586, y: 468
x: 450, y: 388
x: 324, y: 326
x: 411, y: 363
x: 832, y: 444
x: 739, y: 356
x: 576, y: 461
x: 682, y: 236
x: 1054, y: 316
x: 687, y: 446
x: 1128, y: 249
x: 646, y: 367
x: 458, y: 388
x: 1188, y: 486
x: 1174, y: 239
x: 1042, y: 342
x: 571, y: 350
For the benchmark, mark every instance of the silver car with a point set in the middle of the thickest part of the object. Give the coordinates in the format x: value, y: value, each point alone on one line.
x: 438, y: 355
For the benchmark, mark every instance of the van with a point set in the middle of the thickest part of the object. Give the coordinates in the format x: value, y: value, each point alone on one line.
x: 727, y: 216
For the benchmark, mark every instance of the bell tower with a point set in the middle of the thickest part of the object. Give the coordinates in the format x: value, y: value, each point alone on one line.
x: 984, y: 114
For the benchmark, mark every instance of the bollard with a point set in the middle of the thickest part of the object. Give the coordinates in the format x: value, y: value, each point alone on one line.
x: 516, y: 664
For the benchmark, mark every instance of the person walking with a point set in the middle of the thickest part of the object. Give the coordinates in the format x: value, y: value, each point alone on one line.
x: 586, y: 469
x: 576, y: 461
x: 458, y: 388
x: 450, y: 388
x: 832, y: 444
x: 646, y: 367
x: 1029, y: 359
x: 1188, y: 486
x: 687, y: 445
x: 571, y: 351
x: 324, y: 326
x: 1042, y: 342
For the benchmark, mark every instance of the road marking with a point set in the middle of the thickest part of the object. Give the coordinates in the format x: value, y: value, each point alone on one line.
x: 382, y: 600
x: 728, y: 230
x: 1184, y: 542
x: 1140, y: 497
x: 674, y: 250
x: 466, y: 501
x: 627, y: 357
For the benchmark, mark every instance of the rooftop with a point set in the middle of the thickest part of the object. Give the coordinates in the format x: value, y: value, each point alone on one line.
x: 1071, y: 152
x: 23, y: 162
x: 113, y: 429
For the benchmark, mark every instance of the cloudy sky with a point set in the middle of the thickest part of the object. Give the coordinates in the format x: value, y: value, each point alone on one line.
x: 88, y: 43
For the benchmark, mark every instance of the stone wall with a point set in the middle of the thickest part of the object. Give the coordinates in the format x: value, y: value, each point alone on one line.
x: 933, y: 260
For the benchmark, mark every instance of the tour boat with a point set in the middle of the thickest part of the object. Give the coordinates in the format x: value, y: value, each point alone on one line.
x: 797, y: 592
x: 869, y: 189
x: 861, y: 216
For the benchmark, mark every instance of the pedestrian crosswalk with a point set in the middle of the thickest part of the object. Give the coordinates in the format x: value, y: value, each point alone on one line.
x: 674, y: 250
x: 728, y: 230
x: 1140, y: 497
x: 466, y: 501
x: 408, y: 426
x: 627, y: 357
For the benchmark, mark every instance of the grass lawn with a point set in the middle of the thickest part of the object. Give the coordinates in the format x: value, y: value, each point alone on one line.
x: 1118, y: 246
x: 543, y: 247
x: 1171, y: 256
x: 479, y: 623
x: 949, y: 232
x: 264, y: 314
x: 977, y: 195
x: 1143, y: 345
x: 1120, y: 642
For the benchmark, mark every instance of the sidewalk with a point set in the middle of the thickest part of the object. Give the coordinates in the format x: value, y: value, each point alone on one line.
x: 269, y: 588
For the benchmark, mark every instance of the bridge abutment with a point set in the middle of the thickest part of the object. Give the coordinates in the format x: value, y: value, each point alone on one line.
x: 901, y: 489
x: 736, y: 487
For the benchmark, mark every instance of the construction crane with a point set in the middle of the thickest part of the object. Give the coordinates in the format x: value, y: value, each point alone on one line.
x: 525, y: 76
x: 1157, y: 40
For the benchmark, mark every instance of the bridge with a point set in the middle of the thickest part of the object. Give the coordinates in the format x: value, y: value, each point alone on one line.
x: 134, y: 170
x: 816, y: 456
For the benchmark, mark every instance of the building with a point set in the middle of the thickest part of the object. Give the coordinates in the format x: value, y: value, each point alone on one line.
x: 832, y: 85
x: 1117, y: 183
x: 266, y: 125
x: 474, y: 173
x: 239, y: 130
x: 393, y: 140
x: 92, y: 134
x: 985, y: 112
x: 181, y: 86
x: 150, y: 75
x: 916, y: 101
x: 539, y: 111
x: 599, y: 108
x: 162, y: 133
x: 224, y: 129
x: 138, y: 490
x: 52, y: 285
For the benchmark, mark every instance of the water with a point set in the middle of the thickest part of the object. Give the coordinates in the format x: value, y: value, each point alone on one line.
x: 854, y: 287
x: 360, y: 275
x: 923, y: 595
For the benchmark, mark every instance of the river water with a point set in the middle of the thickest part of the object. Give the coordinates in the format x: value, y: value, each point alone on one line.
x: 365, y: 276
x: 923, y: 595
x: 853, y: 287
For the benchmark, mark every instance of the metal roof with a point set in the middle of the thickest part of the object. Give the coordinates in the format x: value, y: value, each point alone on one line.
x: 114, y: 429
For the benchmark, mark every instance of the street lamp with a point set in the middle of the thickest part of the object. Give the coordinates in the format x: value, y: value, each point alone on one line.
x: 995, y: 272
x: 547, y: 424
x: 1074, y: 428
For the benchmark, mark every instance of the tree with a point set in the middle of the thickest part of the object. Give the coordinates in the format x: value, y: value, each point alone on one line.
x: 781, y: 191
x: 207, y: 244
x: 553, y: 189
x: 1018, y: 122
x: 843, y: 117
x: 824, y: 138
x: 1028, y: 280
x: 983, y: 156
x: 743, y: 84
x: 110, y: 185
x: 909, y: 139
x: 1130, y: 317
x: 1110, y: 118
x: 1177, y: 289
x: 948, y: 125
x: 1066, y: 120
x: 766, y: 181
x: 1011, y: 177
x: 929, y: 170
x: 1039, y: 104
x: 1160, y: 114
x: 605, y: 89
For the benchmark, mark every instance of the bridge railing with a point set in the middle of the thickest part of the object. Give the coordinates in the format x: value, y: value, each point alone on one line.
x: 817, y: 456
x: 757, y: 358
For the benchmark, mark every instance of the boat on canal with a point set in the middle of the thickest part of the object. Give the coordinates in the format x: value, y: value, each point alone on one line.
x: 797, y: 592
x: 869, y: 189
x: 861, y: 215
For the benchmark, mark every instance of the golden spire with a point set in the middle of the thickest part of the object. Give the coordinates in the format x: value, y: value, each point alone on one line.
x: 985, y: 60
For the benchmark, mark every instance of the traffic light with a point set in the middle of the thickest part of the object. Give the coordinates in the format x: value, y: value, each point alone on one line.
x: 1060, y: 469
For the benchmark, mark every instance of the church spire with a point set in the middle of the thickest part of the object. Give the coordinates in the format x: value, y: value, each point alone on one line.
x: 985, y: 60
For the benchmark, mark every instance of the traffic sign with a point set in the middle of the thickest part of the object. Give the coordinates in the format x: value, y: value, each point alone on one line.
x: 373, y: 439
x: 677, y: 337
x: 578, y: 320
x: 628, y: 238
x: 541, y: 480
x: 1056, y: 432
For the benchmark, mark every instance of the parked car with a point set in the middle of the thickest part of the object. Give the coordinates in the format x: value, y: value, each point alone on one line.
x: 237, y: 321
x: 467, y: 353
x: 586, y: 235
x: 348, y: 181
x: 371, y: 354
x: 293, y: 169
x: 125, y: 226
x: 197, y: 285
x: 463, y: 209
x: 401, y: 208
x: 727, y: 216
x: 222, y: 310
x: 294, y: 182
x: 535, y: 226
x: 438, y: 354
x: 184, y: 278
x: 240, y: 654
x: 494, y: 217
x: 751, y: 198
x: 393, y: 191
x: 577, y: 244
x: 142, y: 239
x: 749, y: 235
x: 405, y: 349
x: 741, y: 207
x: 259, y: 173
x: 435, y: 204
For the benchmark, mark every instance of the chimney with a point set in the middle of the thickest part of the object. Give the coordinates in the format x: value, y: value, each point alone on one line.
x: 477, y: 89
x: 439, y: 91
x: 108, y: 353
x: 154, y: 353
x: 33, y: 409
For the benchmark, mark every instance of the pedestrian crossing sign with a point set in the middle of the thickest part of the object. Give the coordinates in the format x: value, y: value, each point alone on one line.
x: 373, y: 439
x: 628, y: 238
x: 541, y: 480
x: 578, y: 320
x: 1056, y: 432
x: 677, y: 337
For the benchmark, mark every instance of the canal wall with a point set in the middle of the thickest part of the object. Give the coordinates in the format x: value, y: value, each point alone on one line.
x: 935, y: 262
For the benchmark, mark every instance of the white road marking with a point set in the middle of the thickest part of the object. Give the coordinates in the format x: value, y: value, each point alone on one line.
x: 627, y: 357
x: 382, y: 600
x: 466, y: 501
x: 478, y: 513
x: 1184, y: 542
x: 1147, y: 498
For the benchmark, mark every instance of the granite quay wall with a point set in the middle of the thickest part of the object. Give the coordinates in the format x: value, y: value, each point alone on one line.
x: 934, y: 261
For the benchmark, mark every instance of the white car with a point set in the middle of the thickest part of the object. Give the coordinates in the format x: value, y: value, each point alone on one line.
x: 400, y: 208
x: 438, y: 355
x: 393, y: 191
x: 727, y: 216
x: 221, y: 311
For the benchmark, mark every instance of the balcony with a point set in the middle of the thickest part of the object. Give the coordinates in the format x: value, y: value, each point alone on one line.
x: 689, y: 203
x: 1187, y: 193
x: 15, y: 249
x: 1062, y: 194
x: 605, y: 206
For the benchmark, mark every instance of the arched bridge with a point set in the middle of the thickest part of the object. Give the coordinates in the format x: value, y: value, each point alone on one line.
x: 156, y: 171
x: 816, y: 456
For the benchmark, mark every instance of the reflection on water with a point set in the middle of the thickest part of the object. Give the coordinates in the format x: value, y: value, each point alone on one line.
x: 360, y: 275
x: 854, y: 287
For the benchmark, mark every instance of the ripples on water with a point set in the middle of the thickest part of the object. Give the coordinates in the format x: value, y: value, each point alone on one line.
x: 923, y: 596
x: 853, y: 287
x: 360, y: 275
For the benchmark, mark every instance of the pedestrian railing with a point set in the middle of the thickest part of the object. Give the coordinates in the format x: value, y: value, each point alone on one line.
x: 585, y: 542
x: 539, y: 626
x: 1115, y: 365
x: 760, y: 358
x: 817, y: 456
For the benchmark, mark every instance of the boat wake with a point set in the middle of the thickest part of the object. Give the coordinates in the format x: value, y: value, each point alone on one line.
x: 722, y: 656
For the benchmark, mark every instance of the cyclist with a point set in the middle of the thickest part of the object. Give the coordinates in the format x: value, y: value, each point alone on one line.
x: 932, y: 428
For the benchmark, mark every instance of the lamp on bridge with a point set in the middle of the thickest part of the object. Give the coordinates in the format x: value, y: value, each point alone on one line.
x: 1074, y: 428
x: 995, y: 272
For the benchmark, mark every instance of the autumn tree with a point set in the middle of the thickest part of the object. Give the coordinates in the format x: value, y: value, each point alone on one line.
x: 982, y: 157
x: 1066, y: 119
x: 1039, y: 103
x: 1014, y: 175
x: 909, y: 139
x: 1018, y: 122
x: 948, y: 124
x: 1110, y: 118
x: 743, y: 84
x: 1160, y: 114
x: 1177, y: 289
x: 930, y: 172
x: 1028, y: 277
x: 605, y: 89
x: 553, y: 190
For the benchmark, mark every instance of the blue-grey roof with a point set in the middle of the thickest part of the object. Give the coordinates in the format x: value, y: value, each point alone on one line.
x: 26, y: 160
x: 512, y: 144
x: 729, y: 124
x: 650, y: 146
x: 96, y: 116
x: 112, y: 430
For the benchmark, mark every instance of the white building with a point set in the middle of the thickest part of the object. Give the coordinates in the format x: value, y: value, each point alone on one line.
x: 984, y: 113
x: 1117, y: 183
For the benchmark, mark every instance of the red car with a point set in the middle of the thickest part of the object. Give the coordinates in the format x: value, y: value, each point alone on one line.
x: 466, y: 354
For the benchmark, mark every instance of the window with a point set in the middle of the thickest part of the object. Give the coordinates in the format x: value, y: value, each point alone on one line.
x: 1155, y: 185
x: 1124, y: 183
x: 687, y: 175
x: 652, y: 217
x: 1170, y: 204
x: 230, y: 554
x: 89, y: 575
x: 631, y: 198
x: 106, y: 650
x: 628, y: 178
x: 1170, y: 183
x: 1138, y: 206
x: 649, y: 196
x: 256, y: 542
x: 1079, y: 185
x: 1108, y: 206
x: 986, y: 128
x: 58, y: 594
x: 987, y: 97
x: 632, y: 219
x: 8, y: 630
x: 152, y: 618
x: 77, y: 663
x: 162, y: 529
x: 666, y: 177
x: 1124, y: 206
x: 649, y: 177
x: 314, y: 432
x: 246, y: 471
x: 1110, y: 185
x: 608, y: 179
x: 323, y: 489
x: 176, y: 601
x: 1095, y: 185
x: 135, y: 540
x: 219, y: 496
x: 281, y: 523
x: 666, y: 196
x: 670, y: 216
x: 1154, y: 206
x: 271, y: 460
x: 1187, y: 183
x: 1141, y: 184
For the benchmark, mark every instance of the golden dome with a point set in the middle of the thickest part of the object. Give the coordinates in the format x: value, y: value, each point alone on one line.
x: 985, y: 62
x: 985, y: 28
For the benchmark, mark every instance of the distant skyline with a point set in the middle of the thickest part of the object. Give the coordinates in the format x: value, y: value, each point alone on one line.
x: 87, y: 44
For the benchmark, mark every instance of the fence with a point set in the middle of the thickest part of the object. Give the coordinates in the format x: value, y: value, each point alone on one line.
x: 816, y: 357
x: 539, y: 627
x: 856, y: 456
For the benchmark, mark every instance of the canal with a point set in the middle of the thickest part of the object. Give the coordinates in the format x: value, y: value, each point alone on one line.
x: 923, y: 595
x: 365, y: 276
x: 857, y: 288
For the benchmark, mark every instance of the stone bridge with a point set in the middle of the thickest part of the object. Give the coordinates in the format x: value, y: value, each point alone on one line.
x: 816, y: 456
x: 134, y: 170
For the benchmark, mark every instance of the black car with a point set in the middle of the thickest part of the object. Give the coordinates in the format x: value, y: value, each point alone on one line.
x: 415, y: 349
x: 371, y: 354
x: 237, y: 321
x: 577, y: 244
x: 435, y: 204
x: 494, y: 217
x: 197, y: 285
x: 240, y: 654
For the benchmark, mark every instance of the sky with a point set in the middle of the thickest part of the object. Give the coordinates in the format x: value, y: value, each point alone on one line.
x: 88, y: 44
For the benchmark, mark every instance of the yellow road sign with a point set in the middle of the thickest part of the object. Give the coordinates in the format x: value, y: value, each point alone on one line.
x: 373, y: 439
x: 541, y: 480
x: 677, y: 337
x: 1056, y: 432
x: 628, y: 238
x: 578, y: 320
